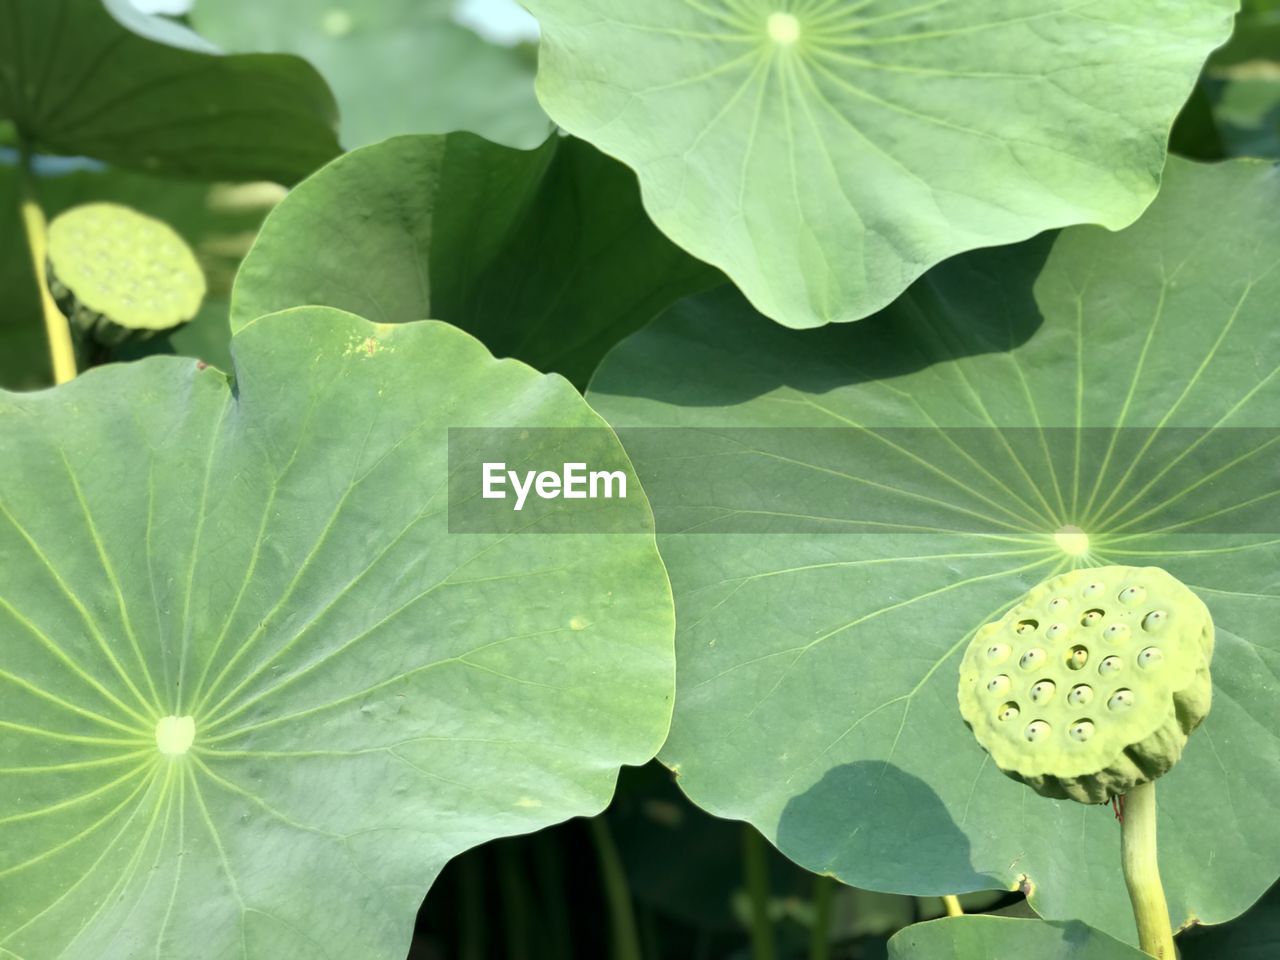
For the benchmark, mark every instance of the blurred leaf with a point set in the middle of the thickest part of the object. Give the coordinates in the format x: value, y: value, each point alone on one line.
x: 396, y: 66
x: 99, y: 78
x: 219, y: 222
x: 1240, y: 90
x: 545, y: 255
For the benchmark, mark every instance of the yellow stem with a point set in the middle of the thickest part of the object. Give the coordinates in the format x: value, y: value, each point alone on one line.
x: 952, y: 903
x: 62, y: 350
x: 1142, y: 873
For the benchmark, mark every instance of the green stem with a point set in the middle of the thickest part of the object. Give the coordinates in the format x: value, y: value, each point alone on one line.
x: 1142, y: 872
x: 62, y: 351
x: 952, y: 905
x: 756, y: 864
x: 617, y: 893
x: 824, y: 889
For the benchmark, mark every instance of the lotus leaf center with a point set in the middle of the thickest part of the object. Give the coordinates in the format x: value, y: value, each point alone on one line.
x: 784, y: 28
x: 1072, y: 541
x: 174, y: 735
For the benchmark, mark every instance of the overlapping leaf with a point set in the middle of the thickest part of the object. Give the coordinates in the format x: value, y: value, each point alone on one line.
x: 544, y: 255
x: 985, y: 938
x: 825, y: 154
x: 397, y: 66
x: 369, y: 693
x: 894, y: 484
x: 97, y: 78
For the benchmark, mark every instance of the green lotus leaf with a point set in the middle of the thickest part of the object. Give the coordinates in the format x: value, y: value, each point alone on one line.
x: 545, y: 255
x: 396, y: 66
x: 1091, y: 683
x: 1002, y: 938
x: 824, y: 155
x: 97, y: 78
x: 1255, y: 936
x: 840, y: 509
x: 254, y: 693
x: 111, y: 266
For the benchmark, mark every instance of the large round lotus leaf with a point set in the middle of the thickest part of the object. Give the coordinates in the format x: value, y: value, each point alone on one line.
x: 254, y: 693
x: 858, y: 500
x: 1002, y: 938
x: 824, y: 154
x: 98, y: 78
x: 396, y: 66
x: 1091, y: 683
x: 131, y: 269
x: 545, y: 255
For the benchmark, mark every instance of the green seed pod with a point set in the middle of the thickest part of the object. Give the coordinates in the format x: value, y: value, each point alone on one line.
x: 1092, y: 682
x: 117, y: 273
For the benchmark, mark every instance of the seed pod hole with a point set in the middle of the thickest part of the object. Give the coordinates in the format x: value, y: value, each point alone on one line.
x: 1032, y: 658
x: 1042, y: 691
x: 1154, y: 620
x: 1077, y: 657
x: 1055, y: 631
x: 997, y: 653
x: 1150, y: 657
x: 1058, y: 604
x: 1121, y: 700
x: 1116, y: 632
x: 1110, y: 665
x: 1025, y: 627
x: 1007, y: 711
x: 998, y: 685
x: 1093, y: 589
x: 1082, y: 730
x: 1037, y: 730
x: 1132, y: 595
x: 1091, y: 617
x: 1080, y: 694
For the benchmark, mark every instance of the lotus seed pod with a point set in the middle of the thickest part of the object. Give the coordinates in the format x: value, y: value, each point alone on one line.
x: 1126, y: 650
x: 119, y: 274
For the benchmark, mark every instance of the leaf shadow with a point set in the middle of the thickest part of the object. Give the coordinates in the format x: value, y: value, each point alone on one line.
x: 977, y: 303
x: 850, y: 823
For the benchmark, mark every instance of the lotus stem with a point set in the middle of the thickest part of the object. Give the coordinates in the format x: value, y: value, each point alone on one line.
x: 1142, y: 872
x: 824, y: 889
x: 622, y: 918
x: 62, y: 351
x: 952, y: 904
x: 755, y: 861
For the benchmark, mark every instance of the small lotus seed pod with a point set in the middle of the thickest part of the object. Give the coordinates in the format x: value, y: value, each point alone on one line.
x: 1127, y: 707
x: 117, y: 273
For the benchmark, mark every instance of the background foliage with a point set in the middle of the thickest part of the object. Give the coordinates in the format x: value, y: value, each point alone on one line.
x: 968, y: 125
